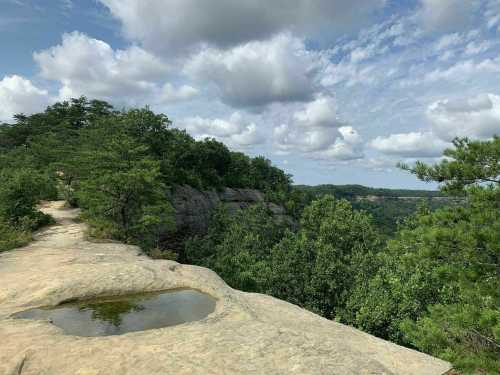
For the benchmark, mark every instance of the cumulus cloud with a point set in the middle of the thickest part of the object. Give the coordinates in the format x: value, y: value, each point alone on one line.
x: 320, y: 113
x: 259, y: 73
x: 475, y: 117
x: 179, y: 25
x: 19, y: 95
x: 171, y: 94
x: 414, y: 144
x: 87, y: 66
x: 236, y: 131
x: 317, y: 133
x: 347, y: 147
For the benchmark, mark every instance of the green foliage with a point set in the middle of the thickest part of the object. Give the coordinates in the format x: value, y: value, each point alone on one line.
x: 351, y: 192
x: 125, y: 188
x: 437, y: 288
x: 12, y: 237
x: 332, y: 249
x: 238, y: 248
x: 314, y: 268
x: 19, y: 194
x: 53, y: 139
x: 388, y: 207
x: 469, y: 163
x: 118, y: 165
x: 465, y: 333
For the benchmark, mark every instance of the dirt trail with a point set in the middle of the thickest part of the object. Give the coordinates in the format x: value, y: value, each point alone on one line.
x: 246, y: 334
x: 66, y: 232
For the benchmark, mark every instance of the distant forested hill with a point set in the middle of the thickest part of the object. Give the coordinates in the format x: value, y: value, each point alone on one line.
x: 351, y: 191
x: 387, y: 206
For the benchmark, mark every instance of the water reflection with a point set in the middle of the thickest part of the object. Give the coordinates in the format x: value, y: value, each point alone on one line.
x: 118, y: 315
x: 112, y: 311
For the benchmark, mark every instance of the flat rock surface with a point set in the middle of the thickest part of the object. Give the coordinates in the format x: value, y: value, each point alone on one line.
x: 246, y: 334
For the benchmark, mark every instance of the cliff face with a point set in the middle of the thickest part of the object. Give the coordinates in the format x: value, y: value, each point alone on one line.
x: 193, y: 208
x: 246, y: 334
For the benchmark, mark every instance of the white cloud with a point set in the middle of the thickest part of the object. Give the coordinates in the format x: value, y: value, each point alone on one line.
x: 449, y: 40
x: 237, y: 132
x: 350, y: 74
x: 292, y: 138
x: 259, y: 73
x: 475, y: 117
x: 464, y: 70
x: 446, y: 15
x: 171, y: 94
x: 317, y: 133
x: 379, y: 164
x: 19, y: 95
x: 347, y: 147
x: 174, y: 25
x: 492, y: 14
x: 414, y: 144
x: 87, y: 66
x: 474, y: 48
x: 321, y: 112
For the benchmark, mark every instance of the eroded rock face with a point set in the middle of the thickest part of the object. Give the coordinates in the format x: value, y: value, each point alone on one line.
x: 246, y: 334
x: 193, y: 208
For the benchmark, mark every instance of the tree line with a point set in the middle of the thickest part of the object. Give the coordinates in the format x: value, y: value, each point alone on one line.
x: 116, y: 166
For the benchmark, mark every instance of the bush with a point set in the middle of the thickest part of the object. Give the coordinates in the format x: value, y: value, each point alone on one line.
x: 20, y: 192
x: 11, y: 237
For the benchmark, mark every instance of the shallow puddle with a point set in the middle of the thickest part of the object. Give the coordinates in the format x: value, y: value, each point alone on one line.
x: 118, y: 315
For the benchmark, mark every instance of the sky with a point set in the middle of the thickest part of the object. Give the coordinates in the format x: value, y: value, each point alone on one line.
x: 332, y: 91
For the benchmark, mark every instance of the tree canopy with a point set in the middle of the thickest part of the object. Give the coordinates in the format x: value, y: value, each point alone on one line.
x: 117, y: 165
x: 468, y: 163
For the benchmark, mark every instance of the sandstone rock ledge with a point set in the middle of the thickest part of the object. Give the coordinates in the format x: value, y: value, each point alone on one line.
x: 246, y: 334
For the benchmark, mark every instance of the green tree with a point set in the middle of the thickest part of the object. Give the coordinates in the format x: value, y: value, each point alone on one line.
x: 238, y: 248
x: 438, y: 286
x: 332, y: 249
x: 465, y: 329
x: 468, y: 163
x: 123, y: 185
x: 20, y: 192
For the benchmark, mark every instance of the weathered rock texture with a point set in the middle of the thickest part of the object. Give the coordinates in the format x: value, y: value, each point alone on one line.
x: 193, y: 207
x: 246, y: 334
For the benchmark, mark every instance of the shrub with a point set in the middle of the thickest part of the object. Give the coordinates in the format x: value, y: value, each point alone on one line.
x: 11, y: 237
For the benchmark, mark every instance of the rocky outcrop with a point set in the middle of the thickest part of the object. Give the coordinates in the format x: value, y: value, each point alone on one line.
x: 193, y: 208
x: 246, y: 334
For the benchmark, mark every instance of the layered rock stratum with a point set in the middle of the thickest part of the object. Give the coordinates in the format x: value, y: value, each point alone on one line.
x: 246, y: 334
